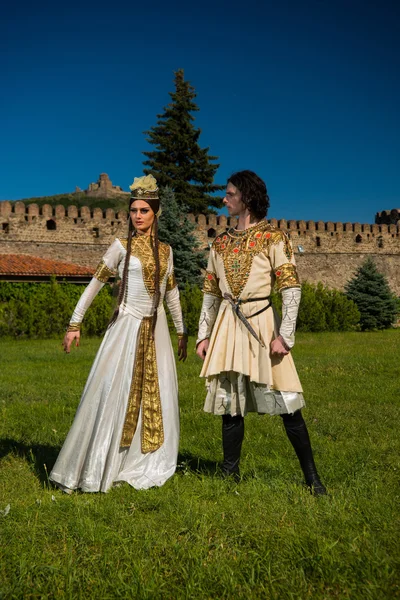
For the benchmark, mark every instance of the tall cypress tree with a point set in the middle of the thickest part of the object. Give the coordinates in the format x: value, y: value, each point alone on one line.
x: 371, y: 292
x: 178, y: 161
x: 174, y: 228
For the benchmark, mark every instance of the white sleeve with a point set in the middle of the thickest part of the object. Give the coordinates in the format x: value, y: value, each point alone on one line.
x: 172, y: 298
x: 85, y: 301
x: 211, y: 300
x: 174, y: 307
x: 105, y: 269
x: 208, y: 314
x: 290, y: 308
x: 108, y: 265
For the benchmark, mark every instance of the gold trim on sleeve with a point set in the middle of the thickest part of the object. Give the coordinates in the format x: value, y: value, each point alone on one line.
x: 211, y: 285
x: 74, y: 327
x: 286, y: 276
x: 171, y: 282
x: 144, y: 392
x: 103, y: 273
x: 287, y: 246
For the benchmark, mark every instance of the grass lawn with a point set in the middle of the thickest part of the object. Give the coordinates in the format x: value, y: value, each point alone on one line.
x: 200, y: 536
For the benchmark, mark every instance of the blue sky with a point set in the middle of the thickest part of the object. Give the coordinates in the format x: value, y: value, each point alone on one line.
x: 306, y: 93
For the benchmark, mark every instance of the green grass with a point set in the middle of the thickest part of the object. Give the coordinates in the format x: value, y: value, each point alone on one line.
x: 200, y: 536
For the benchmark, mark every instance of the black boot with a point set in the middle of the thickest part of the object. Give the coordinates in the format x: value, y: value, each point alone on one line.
x: 232, y: 438
x: 297, y: 433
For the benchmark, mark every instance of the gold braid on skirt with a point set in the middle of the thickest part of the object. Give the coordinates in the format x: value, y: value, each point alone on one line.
x: 144, y: 392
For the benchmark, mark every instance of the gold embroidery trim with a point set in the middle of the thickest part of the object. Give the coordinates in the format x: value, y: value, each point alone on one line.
x: 171, y: 282
x: 103, y: 273
x: 211, y: 284
x: 142, y: 249
x: 74, y: 327
x: 287, y: 246
x: 238, y: 249
x: 286, y: 276
x: 145, y: 393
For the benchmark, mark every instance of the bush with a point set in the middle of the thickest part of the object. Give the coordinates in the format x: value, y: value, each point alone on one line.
x: 341, y: 313
x: 41, y: 310
x: 323, y: 309
x: 191, y: 300
x: 370, y: 291
x: 177, y: 230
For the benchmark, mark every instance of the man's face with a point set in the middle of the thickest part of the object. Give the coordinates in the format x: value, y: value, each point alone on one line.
x: 233, y: 200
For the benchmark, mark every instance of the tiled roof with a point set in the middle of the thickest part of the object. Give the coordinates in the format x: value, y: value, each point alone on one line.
x: 25, y: 264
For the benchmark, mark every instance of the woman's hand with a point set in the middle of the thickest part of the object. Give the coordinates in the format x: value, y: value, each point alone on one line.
x: 202, y: 348
x: 69, y: 337
x: 182, y: 348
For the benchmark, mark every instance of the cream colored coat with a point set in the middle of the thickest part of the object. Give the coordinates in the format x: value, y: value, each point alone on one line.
x: 247, y: 264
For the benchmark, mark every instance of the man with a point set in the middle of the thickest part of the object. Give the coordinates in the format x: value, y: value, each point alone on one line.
x: 246, y: 353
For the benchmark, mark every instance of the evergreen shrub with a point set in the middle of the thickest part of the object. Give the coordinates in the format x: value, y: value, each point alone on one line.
x: 323, y: 309
x: 42, y: 310
x: 176, y: 159
x: 175, y: 229
x: 369, y: 289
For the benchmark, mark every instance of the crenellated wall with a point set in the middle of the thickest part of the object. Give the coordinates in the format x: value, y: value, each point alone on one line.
x: 325, y: 251
x: 388, y: 217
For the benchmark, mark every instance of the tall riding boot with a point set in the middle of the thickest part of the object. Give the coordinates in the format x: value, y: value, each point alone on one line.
x: 232, y: 438
x: 297, y: 433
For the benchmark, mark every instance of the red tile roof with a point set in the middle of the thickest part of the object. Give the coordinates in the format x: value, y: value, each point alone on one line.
x: 25, y: 264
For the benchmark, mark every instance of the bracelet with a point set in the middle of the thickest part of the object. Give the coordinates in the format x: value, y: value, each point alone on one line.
x: 182, y: 336
x: 73, y: 327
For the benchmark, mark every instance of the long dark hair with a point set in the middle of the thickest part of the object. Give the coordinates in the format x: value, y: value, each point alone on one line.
x: 254, y: 192
x: 123, y: 288
x: 156, y: 253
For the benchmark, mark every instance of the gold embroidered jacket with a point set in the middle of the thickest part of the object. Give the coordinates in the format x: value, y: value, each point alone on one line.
x: 260, y: 252
x: 246, y: 265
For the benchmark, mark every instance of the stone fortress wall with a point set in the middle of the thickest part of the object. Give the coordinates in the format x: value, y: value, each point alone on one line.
x: 325, y: 251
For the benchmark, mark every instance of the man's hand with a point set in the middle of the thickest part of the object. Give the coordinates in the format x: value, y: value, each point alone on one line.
x: 279, y: 347
x: 69, y: 337
x: 182, y: 348
x: 202, y: 348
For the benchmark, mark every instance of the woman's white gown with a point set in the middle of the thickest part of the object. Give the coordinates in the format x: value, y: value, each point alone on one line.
x: 91, y: 458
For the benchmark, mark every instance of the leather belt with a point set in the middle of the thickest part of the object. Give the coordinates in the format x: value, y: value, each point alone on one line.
x: 235, y: 303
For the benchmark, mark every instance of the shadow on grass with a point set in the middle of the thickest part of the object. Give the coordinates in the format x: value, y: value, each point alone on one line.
x: 196, y: 464
x: 188, y: 462
x: 42, y: 458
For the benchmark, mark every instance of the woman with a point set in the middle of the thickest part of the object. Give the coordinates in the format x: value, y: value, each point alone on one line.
x: 127, y: 425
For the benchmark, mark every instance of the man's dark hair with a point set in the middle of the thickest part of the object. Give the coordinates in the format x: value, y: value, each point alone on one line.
x: 254, y: 192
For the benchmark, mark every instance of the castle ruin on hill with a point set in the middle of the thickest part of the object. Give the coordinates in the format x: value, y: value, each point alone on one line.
x: 325, y: 251
x: 103, y: 188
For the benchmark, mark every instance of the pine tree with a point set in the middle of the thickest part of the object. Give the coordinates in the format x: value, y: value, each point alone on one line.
x: 178, y: 160
x: 174, y: 228
x: 370, y: 290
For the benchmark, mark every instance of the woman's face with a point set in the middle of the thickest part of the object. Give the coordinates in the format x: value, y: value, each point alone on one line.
x: 142, y: 217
